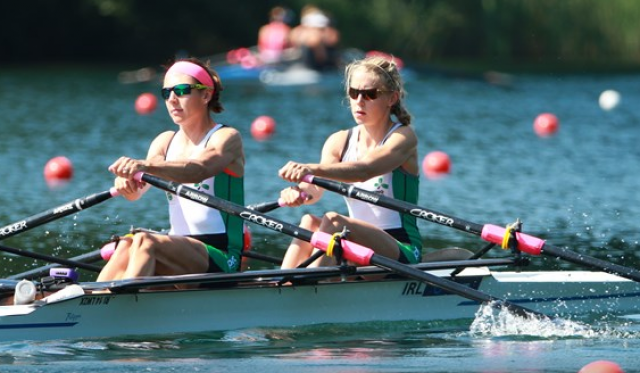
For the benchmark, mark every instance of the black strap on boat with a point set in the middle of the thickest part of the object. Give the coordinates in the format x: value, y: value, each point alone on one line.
x: 479, y: 254
x: 311, y: 259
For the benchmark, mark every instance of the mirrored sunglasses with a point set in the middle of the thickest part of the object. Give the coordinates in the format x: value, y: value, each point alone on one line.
x: 181, y: 89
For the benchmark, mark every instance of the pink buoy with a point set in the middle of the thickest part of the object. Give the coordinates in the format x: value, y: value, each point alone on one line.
x: 436, y: 164
x: 146, y: 103
x: 546, y: 124
x: 263, y: 127
x: 601, y: 366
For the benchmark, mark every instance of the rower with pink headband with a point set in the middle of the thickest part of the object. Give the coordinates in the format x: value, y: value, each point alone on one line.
x: 193, y: 70
x: 198, y: 151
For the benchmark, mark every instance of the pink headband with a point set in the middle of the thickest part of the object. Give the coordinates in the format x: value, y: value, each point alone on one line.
x: 193, y: 70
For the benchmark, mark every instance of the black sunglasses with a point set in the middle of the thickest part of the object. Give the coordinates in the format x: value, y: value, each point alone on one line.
x: 181, y: 89
x: 367, y: 94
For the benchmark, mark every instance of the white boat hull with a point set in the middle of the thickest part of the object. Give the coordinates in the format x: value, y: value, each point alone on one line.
x: 265, y: 304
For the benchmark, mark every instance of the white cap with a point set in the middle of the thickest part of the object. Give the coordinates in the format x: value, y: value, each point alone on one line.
x: 315, y: 19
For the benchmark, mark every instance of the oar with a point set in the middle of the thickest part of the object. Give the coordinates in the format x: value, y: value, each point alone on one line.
x: 49, y: 258
x: 76, y: 262
x: 489, y: 232
x: 352, y: 251
x: 56, y: 213
x: 96, y: 255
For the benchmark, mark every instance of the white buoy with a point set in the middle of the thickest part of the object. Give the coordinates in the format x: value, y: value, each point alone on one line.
x: 609, y: 99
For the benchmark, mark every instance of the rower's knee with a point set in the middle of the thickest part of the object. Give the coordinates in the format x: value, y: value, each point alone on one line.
x: 308, y: 221
x: 333, y: 219
x: 144, y: 243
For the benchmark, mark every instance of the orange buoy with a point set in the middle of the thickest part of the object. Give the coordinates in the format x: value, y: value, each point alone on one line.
x: 263, y: 127
x: 146, y: 103
x: 601, y: 366
x: 436, y: 164
x: 546, y: 124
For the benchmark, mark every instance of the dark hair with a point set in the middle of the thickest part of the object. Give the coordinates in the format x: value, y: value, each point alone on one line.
x: 389, y: 75
x: 214, y: 104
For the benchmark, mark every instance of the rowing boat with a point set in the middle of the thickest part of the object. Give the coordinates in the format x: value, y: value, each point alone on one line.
x: 300, y: 297
x: 449, y: 287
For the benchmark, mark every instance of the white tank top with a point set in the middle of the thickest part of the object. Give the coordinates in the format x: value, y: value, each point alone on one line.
x: 188, y: 217
x: 381, y: 217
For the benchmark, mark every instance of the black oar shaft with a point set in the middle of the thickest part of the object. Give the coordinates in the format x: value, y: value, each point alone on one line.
x: 49, y: 258
x: 252, y: 216
x: 76, y: 262
x: 491, y: 233
x: 591, y: 262
x: 352, y: 251
x: 396, y: 205
x: 55, y: 213
x: 265, y: 206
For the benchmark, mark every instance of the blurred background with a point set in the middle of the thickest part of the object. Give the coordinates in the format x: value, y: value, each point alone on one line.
x: 531, y: 35
x: 479, y: 75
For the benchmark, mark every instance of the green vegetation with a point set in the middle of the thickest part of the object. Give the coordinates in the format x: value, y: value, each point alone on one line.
x: 505, y: 33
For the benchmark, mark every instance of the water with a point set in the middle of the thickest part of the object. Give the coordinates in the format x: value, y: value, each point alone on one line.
x: 576, y: 189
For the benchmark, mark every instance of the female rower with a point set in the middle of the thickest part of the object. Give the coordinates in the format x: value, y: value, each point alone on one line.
x: 203, y: 154
x: 378, y: 154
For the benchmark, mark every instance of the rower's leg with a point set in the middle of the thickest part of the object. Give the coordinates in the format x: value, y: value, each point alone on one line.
x: 117, y: 264
x: 157, y: 254
x: 300, y: 250
x: 360, y: 232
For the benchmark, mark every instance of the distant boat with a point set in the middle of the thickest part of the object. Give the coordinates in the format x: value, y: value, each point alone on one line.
x: 242, y: 67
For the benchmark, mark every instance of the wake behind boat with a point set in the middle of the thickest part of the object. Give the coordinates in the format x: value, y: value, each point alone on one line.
x: 300, y: 297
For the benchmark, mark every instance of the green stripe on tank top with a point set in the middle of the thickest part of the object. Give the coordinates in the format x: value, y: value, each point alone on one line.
x: 232, y: 189
x: 406, y: 188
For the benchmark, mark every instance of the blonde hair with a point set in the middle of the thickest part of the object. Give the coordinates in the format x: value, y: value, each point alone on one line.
x: 389, y: 75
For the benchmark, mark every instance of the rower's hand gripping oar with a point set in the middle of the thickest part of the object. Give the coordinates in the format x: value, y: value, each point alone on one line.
x: 489, y: 232
x: 321, y: 240
x: 56, y: 213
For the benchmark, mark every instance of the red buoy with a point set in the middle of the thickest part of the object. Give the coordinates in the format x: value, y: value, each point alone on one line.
x: 546, y: 124
x: 246, y: 247
x: 436, y: 164
x: 601, y: 366
x: 58, y: 168
x: 263, y: 127
x: 146, y: 103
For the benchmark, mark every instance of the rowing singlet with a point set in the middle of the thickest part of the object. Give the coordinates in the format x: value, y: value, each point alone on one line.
x: 273, y: 41
x: 397, y: 184
x: 189, y: 218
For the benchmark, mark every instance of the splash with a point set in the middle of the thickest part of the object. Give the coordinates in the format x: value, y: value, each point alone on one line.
x: 494, y: 322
